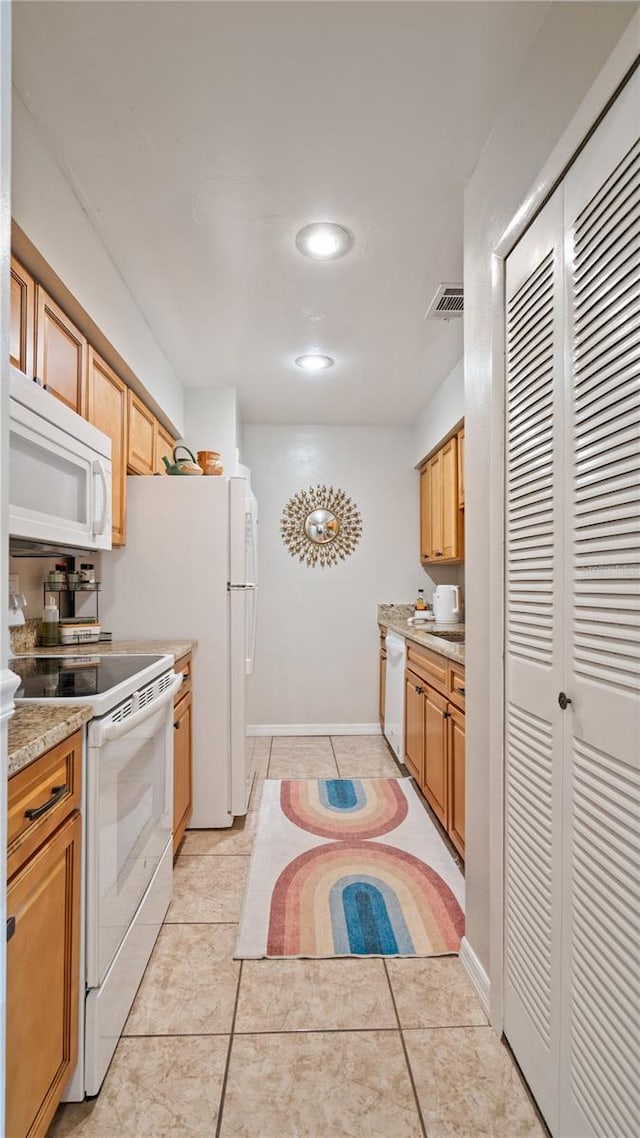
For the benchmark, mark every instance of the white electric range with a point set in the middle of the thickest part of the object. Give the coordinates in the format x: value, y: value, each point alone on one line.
x: 127, y: 812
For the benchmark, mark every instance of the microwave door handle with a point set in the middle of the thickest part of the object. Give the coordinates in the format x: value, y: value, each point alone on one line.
x: 98, y: 528
x: 106, y: 733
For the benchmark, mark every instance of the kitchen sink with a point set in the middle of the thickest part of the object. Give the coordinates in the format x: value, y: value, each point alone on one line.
x: 456, y: 637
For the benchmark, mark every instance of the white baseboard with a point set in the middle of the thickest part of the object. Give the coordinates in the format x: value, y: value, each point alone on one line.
x: 313, y: 729
x: 476, y: 974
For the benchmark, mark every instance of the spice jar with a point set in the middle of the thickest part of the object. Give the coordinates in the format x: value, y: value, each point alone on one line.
x: 57, y: 578
x: 87, y: 575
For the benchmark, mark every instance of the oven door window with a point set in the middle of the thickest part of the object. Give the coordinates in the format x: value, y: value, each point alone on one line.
x: 132, y: 802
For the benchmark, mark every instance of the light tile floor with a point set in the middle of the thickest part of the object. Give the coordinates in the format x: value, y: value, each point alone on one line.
x: 215, y: 1048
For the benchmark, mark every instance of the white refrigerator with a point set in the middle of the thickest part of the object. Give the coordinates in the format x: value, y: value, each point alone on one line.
x: 189, y: 571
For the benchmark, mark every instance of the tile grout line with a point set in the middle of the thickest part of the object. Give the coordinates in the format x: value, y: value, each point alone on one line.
x: 269, y: 759
x: 223, y: 1089
x: 406, y: 1053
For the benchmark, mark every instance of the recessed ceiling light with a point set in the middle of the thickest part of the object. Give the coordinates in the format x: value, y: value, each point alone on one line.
x: 314, y: 362
x: 324, y: 240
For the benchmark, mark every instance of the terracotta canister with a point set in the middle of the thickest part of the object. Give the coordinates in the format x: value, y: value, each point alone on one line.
x: 209, y: 461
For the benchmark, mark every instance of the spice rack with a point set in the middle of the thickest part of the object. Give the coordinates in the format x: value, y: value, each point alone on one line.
x: 82, y: 589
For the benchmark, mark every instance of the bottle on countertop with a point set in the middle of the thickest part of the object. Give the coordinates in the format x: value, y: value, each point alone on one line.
x: 50, y: 626
x: 421, y: 604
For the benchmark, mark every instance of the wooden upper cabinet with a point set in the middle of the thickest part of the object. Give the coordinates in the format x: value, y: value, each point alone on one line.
x: 449, y: 453
x: 425, y: 515
x: 461, y: 468
x: 22, y: 318
x: 142, y: 436
x: 435, y: 507
x: 107, y: 409
x: 164, y: 445
x: 61, y: 353
x: 441, y: 518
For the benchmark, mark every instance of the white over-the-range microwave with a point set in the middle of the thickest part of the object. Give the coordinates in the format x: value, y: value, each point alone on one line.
x: 59, y: 471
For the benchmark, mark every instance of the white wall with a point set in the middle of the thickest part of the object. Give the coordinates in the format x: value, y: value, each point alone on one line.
x: 442, y: 411
x: 48, y: 211
x: 211, y: 422
x: 317, y: 654
x: 572, y: 46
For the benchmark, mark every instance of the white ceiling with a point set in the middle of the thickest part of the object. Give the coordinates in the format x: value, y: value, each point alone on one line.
x: 201, y: 136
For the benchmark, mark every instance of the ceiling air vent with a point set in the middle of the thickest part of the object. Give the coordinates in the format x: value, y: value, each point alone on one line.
x: 448, y: 302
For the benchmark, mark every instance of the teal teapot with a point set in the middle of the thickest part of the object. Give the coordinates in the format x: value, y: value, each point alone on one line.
x: 181, y: 465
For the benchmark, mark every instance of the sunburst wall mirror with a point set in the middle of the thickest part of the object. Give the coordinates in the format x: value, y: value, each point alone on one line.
x: 321, y: 526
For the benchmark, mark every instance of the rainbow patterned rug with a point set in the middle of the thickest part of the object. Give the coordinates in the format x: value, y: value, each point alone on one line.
x: 349, y: 867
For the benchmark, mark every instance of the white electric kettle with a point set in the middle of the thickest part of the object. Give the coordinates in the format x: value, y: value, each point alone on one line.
x: 447, y: 604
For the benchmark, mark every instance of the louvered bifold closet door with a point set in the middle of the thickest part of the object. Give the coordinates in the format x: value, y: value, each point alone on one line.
x: 601, y: 936
x: 533, y: 652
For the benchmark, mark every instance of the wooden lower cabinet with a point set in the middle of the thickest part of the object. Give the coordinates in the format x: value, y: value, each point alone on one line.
x: 435, y: 753
x: 456, y: 785
x: 414, y: 726
x: 43, y: 899
x: 434, y: 730
x: 182, y: 753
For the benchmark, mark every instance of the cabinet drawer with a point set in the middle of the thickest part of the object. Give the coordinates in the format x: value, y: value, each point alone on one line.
x: 40, y: 797
x: 456, y: 690
x: 183, y: 665
x: 430, y: 666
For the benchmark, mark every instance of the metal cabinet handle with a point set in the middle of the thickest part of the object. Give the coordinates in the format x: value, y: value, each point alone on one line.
x: 462, y: 691
x: 438, y: 553
x: 57, y: 792
x: 11, y: 927
x: 446, y: 715
x: 419, y: 691
x: 563, y: 700
x: 176, y: 725
x: 186, y: 675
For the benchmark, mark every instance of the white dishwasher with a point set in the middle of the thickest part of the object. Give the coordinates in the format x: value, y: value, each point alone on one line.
x: 394, y: 694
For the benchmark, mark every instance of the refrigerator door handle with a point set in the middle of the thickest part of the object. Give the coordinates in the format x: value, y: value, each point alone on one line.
x: 253, y: 627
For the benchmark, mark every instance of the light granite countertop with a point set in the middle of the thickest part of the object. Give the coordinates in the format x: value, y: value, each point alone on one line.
x: 35, y: 727
x: 394, y: 617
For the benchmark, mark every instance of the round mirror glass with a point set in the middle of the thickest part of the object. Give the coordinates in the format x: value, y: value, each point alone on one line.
x: 321, y: 526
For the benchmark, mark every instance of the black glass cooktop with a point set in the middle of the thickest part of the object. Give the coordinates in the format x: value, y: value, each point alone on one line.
x: 68, y: 677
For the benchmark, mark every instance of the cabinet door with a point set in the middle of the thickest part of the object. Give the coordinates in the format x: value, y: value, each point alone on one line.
x: 449, y: 467
x: 142, y: 434
x: 164, y: 445
x: 181, y: 768
x: 425, y: 515
x: 22, y: 318
x: 435, y: 753
x: 42, y: 981
x: 107, y: 410
x: 414, y: 726
x: 436, y: 532
x: 461, y: 469
x: 382, y: 682
x: 455, y: 762
x: 61, y: 353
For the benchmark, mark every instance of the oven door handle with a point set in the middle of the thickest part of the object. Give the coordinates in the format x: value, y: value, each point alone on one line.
x: 106, y: 732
